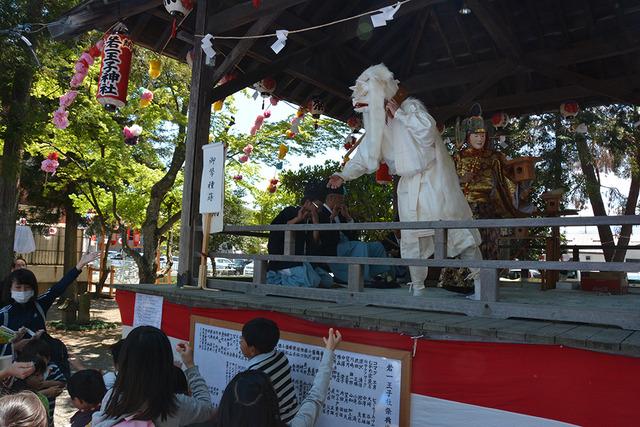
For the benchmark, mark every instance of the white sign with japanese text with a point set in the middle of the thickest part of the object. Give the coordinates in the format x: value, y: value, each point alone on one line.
x: 147, y: 310
x: 365, y: 390
x: 212, y: 182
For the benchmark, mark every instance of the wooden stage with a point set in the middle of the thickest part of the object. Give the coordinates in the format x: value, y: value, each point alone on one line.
x: 438, y: 324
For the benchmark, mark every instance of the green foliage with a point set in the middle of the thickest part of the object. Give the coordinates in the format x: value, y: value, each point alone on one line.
x: 367, y: 200
x: 93, y: 325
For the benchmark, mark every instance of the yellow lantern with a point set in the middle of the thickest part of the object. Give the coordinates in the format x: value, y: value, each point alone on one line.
x: 282, y: 151
x: 155, y: 68
x: 217, y: 106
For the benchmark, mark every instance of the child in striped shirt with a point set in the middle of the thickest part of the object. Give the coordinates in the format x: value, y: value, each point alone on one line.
x: 258, y: 343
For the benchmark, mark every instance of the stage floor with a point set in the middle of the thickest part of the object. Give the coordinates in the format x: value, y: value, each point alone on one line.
x: 489, y: 324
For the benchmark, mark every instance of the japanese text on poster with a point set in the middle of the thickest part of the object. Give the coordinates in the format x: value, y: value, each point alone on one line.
x: 365, y: 390
x: 212, y: 183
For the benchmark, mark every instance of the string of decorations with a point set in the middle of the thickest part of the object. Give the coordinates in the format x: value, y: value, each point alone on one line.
x: 379, y: 18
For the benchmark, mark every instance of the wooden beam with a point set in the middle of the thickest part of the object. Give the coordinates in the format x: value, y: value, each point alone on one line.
x: 88, y: 16
x: 243, y: 46
x: 244, y: 13
x: 445, y: 40
x: 274, y: 67
x: 197, y: 136
x: 416, y: 38
x: 470, y: 95
x: 497, y: 30
x: 532, y: 101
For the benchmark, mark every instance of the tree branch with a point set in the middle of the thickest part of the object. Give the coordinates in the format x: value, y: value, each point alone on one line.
x: 167, y: 225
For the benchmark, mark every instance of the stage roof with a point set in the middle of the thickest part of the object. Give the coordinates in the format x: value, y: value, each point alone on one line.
x: 524, y: 56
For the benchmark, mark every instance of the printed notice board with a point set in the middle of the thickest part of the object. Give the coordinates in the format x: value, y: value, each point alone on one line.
x: 369, y: 385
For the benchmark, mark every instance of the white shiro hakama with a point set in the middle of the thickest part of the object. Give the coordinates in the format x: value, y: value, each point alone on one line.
x: 428, y: 189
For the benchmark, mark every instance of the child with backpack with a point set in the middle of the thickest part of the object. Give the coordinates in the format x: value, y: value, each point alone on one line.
x: 258, y: 343
x: 86, y: 389
x: 144, y: 393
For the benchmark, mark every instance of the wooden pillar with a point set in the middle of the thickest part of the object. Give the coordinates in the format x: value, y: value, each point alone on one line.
x: 355, y: 280
x: 197, y: 135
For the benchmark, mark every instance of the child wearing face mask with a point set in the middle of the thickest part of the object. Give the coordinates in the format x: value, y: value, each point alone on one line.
x: 26, y: 308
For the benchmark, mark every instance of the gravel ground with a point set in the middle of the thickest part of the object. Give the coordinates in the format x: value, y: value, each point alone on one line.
x: 90, y: 347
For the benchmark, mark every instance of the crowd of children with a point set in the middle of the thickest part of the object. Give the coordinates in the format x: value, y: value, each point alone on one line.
x: 147, y: 388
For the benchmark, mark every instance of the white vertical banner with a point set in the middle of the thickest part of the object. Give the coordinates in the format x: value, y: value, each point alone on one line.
x: 212, y: 184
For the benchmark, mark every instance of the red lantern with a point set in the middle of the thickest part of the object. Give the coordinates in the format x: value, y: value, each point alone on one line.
x: 382, y: 175
x: 315, y: 107
x: 114, y: 71
x: 569, y: 109
x: 114, y: 238
x: 265, y: 86
x: 136, y: 238
x: 499, y: 120
x: 178, y: 7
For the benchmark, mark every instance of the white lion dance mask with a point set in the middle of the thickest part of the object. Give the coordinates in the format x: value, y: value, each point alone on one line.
x: 373, y: 87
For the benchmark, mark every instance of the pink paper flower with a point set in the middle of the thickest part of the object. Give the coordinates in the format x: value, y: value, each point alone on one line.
x: 77, y: 80
x: 237, y: 177
x: 243, y: 159
x: 86, y: 57
x: 61, y: 118
x: 49, y: 166
x: 274, y: 100
x: 68, y: 98
x: 248, y: 149
x: 100, y: 45
x: 267, y: 114
x: 81, y: 67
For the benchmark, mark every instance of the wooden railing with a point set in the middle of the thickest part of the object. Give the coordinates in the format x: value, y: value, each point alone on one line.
x: 489, y: 269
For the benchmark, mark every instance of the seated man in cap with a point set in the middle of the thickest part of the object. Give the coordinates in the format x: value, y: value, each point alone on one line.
x: 293, y: 273
x: 346, y: 244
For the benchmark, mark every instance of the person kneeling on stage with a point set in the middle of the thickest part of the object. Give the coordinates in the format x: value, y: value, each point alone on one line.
x: 293, y: 273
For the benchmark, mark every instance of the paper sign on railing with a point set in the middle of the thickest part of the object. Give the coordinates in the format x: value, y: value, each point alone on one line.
x: 212, y: 182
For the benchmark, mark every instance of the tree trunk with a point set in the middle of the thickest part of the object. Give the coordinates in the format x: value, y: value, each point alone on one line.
x: 629, y: 209
x: 595, y: 197
x: 16, y: 126
x: 104, y: 273
x: 69, y: 315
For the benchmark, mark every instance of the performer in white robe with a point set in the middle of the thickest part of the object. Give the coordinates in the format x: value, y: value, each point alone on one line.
x: 405, y: 137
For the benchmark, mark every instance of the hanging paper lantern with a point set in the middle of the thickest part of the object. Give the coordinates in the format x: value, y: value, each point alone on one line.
x: 52, y: 231
x: 354, y: 123
x: 257, y: 124
x: 178, y: 7
x: 279, y: 165
x: 274, y: 100
x: 248, y: 149
x: 569, y: 109
x: 131, y: 134
x: 155, y: 68
x: 265, y: 86
x: 114, y: 71
x: 237, y: 177
x: 499, y: 120
x: 273, y: 185
x: 290, y: 134
x: 316, y: 107
x: 136, y: 238
x: 282, y: 151
x: 146, y: 96
x: 243, y: 159
x: 382, y: 175
x: 114, y: 238
x: 217, y: 106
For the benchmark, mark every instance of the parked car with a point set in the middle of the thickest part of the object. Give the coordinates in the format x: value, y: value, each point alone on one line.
x: 248, y: 269
x: 225, y: 266
x: 239, y: 264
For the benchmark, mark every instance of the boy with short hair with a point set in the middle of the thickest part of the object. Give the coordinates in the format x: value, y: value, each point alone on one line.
x: 258, y: 343
x: 86, y: 389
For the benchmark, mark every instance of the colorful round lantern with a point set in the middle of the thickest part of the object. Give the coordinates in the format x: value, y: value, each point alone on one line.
x: 499, y: 120
x: 114, y: 71
x: 265, y: 86
x: 382, y: 175
x: 178, y: 7
x: 131, y: 134
x: 569, y: 109
x: 146, y: 96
